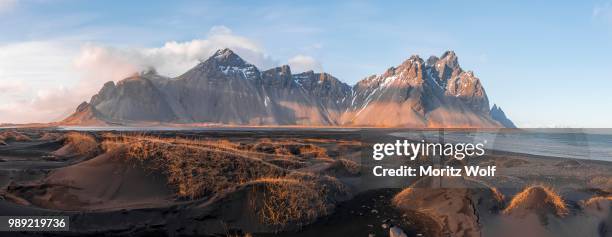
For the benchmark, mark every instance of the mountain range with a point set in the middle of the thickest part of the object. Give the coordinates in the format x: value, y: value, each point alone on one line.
x: 225, y: 89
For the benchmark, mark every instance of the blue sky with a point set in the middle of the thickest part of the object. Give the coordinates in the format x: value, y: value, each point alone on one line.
x: 545, y: 63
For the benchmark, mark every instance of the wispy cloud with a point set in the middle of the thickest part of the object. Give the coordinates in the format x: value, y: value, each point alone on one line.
x: 53, y: 78
x: 173, y: 58
x: 302, y: 63
x: 603, y: 12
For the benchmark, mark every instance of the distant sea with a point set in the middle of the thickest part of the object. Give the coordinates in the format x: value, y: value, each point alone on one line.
x: 590, y: 144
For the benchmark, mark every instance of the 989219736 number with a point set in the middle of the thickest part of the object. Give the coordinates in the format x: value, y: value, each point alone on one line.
x: 34, y: 223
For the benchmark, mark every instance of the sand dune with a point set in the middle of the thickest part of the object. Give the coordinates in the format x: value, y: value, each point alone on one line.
x: 538, y: 199
x: 78, y: 144
x: 99, y: 183
x: 10, y: 136
x: 289, y: 184
x: 460, y: 207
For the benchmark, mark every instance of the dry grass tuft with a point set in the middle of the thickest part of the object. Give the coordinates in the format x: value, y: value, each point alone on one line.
x: 399, y: 198
x: 540, y: 199
x: 498, y: 195
x: 204, y: 168
x: 595, y: 200
x: 266, y: 151
x: 298, y: 199
x: 599, y: 206
x: 288, y: 148
x: 194, y: 171
x: 348, y: 165
x: 79, y: 144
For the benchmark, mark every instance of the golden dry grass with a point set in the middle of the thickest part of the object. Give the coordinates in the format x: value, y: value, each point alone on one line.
x: 421, y: 194
x: 298, y: 199
x: 262, y: 149
x: 193, y: 170
x: 203, y: 168
x: 595, y: 200
x: 288, y: 148
x: 81, y: 143
x: 538, y: 198
x: 497, y: 195
x: 400, y: 199
x: 343, y: 166
x: 598, y: 206
x: 216, y: 169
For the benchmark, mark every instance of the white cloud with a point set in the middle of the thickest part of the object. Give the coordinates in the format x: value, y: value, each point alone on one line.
x: 54, y: 78
x: 46, y: 105
x: 302, y: 63
x: 31, y: 71
x: 6, y: 5
x: 173, y: 58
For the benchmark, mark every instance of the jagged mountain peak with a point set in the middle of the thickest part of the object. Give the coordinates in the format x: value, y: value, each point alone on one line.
x: 226, y: 89
x: 280, y: 77
x: 324, y: 76
x: 223, y: 64
x: 450, y: 60
x: 318, y: 77
x: 449, y: 54
x: 227, y: 57
x: 224, y: 53
x: 283, y: 70
x: 86, y: 114
x: 309, y: 73
x: 497, y: 113
x: 432, y: 60
x: 413, y: 60
x: 109, y: 84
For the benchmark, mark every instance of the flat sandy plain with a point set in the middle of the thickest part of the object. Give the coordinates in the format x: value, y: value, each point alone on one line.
x: 284, y: 182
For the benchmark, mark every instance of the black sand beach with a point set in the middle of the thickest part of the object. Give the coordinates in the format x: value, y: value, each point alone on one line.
x: 265, y: 183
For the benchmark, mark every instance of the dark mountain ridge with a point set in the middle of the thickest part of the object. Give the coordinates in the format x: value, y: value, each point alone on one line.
x: 225, y: 89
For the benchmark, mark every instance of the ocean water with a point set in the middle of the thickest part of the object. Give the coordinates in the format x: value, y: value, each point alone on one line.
x: 591, y: 144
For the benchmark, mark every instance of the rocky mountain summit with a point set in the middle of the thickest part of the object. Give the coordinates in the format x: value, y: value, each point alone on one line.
x: 225, y: 89
x: 498, y: 114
